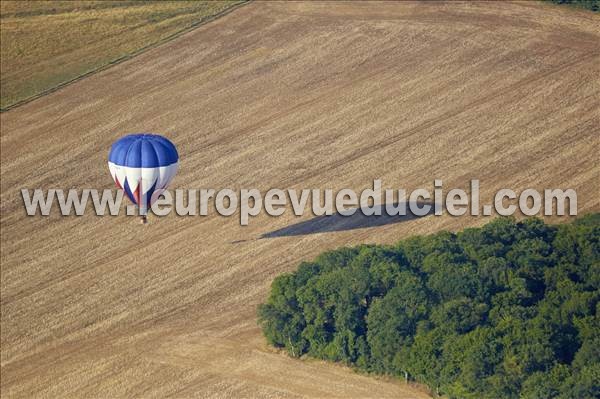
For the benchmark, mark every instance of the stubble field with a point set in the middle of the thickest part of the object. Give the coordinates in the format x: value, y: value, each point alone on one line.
x: 300, y: 95
x: 48, y: 43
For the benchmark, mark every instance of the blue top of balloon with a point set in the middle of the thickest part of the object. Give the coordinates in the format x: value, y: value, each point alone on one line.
x: 143, y: 151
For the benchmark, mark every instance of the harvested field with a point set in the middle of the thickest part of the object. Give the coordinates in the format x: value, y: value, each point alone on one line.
x: 299, y: 95
x: 48, y: 43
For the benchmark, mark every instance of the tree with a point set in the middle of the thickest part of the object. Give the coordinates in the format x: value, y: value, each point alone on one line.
x: 509, y: 310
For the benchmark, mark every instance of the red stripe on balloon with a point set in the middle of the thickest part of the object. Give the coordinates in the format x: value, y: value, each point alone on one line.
x: 137, y: 192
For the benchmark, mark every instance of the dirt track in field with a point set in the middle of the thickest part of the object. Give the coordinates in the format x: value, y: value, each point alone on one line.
x: 273, y: 95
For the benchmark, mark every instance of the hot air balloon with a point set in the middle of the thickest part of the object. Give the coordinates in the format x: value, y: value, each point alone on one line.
x: 143, y: 165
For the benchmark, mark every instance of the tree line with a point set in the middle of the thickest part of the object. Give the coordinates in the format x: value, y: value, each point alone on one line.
x: 508, y: 310
x: 593, y: 5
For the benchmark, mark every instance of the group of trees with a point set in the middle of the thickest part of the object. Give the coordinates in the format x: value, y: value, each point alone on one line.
x: 593, y: 5
x: 509, y: 310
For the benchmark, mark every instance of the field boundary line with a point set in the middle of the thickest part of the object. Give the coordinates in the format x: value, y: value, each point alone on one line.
x: 128, y: 56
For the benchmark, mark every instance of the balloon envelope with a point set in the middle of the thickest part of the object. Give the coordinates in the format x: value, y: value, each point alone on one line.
x: 143, y: 165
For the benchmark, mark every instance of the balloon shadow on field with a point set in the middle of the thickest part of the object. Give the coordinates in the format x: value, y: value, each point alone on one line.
x: 351, y: 219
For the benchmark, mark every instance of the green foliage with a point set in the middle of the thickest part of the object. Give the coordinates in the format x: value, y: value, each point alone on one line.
x: 593, y: 5
x: 509, y: 310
